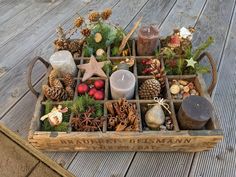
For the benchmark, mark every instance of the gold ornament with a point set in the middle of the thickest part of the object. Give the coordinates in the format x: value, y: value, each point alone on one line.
x: 98, y: 37
x: 100, y: 52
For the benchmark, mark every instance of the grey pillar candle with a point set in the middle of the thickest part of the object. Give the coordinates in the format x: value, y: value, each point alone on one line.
x: 194, y: 113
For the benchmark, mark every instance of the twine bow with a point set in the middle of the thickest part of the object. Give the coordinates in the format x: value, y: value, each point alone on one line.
x: 163, y: 103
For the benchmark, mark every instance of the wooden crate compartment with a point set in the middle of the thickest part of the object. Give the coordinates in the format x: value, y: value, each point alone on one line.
x: 142, y: 140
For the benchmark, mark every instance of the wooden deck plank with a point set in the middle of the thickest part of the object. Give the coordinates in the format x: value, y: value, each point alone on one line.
x: 13, y: 155
x: 215, y: 22
x: 24, y: 19
x: 188, y: 18
x: 12, y: 8
x: 11, y: 53
x: 42, y: 170
x: 221, y: 160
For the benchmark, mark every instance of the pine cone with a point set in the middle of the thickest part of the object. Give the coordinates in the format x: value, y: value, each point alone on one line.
x: 78, y: 22
x: 150, y: 89
x: 86, y: 32
x: 70, y: 92
x: 106, y: 14
x: 94, y: 16
x: 52, y: 76
x: 54, y: 93
x: 56, y: 83
x: 68, y: 80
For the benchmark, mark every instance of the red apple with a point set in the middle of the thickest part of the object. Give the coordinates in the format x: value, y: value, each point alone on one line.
x: 92, y: 91
x: 99, y: 84
x: 98, y: 95
x: 83, y: 88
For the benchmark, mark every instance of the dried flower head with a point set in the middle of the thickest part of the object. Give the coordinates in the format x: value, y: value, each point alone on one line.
x: 86, y: 32
x: 106, y: 13
x: 78, y: 22
x: 94, y: 16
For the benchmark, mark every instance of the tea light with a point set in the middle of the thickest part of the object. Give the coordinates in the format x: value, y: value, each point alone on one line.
x: 122, y: 84
x: 63, y: 61
x: 147, y: 40
x: 194, y: 113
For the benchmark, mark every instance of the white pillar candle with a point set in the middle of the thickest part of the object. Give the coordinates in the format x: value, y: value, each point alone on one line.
x: 122, y: 84
x: 63, y: 61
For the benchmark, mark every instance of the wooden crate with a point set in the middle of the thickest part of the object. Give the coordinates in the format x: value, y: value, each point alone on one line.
x: 143, y: 140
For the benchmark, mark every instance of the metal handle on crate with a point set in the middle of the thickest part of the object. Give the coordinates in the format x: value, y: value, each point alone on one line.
x: 30, y: 68
x: 214, y: 71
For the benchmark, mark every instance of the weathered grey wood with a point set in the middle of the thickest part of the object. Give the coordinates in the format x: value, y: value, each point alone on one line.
x: 24, y: 19
x: 191, y: 10
x: 14, y: 156
x: 221, y: 160
x: 214, y: 21
x: 160, y: 164
x: 12, y: 8
x: 34, y: 35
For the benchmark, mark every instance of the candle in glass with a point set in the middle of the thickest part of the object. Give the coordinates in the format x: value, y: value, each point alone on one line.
x: 63, y: 61
x: 122, y: 84
x: 147, y: 40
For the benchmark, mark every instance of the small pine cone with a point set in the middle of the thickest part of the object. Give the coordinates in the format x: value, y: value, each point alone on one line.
x: 149, y: 89
x: 54, y: 93
x: 70, y: 92
x: 52, y: 76
x: 73, y: 47
x: 94, y: 16
x: 78, y: 22
x: 106, y: 14
x: 68, y: 80
x: 86, y: 32
x: 59, y: 44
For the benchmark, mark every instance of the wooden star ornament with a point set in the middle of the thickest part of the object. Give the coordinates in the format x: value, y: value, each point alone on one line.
x: 191, y: 62
x: 92, y: 68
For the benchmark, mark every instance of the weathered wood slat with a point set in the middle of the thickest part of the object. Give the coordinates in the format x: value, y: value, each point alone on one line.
x: 221, y: 160
x: 34, y: 35
x: 24, y: 19
x: 12, y: 8
x: 14, y: 156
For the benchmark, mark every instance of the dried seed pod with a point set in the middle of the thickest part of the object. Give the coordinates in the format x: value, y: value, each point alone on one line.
x: 106, y: 13
x: 86, y: 32
x: 78, y: 21
x: 121, y: 127
x: 94, y: 16
x: 98, y: 37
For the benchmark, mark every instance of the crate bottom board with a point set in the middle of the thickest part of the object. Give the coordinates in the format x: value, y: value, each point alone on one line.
x: 181, y: 141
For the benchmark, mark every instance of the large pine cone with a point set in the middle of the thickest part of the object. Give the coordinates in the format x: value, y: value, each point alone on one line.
x: 149, y: 89
x: 54, y: 93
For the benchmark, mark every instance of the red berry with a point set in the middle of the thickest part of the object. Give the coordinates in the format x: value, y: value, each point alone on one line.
x: 92, y: 91
x: 83, y: 88
x: 99, y: 95
x: 99, y: 84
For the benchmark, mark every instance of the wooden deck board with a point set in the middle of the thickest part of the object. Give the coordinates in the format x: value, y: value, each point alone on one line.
x: 221, y: 160
x: 211, y: 17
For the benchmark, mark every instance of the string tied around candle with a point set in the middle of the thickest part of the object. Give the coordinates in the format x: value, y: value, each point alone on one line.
x: 162, y: 103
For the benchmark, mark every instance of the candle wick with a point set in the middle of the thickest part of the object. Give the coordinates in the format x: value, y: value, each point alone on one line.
x: 122, y: 77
